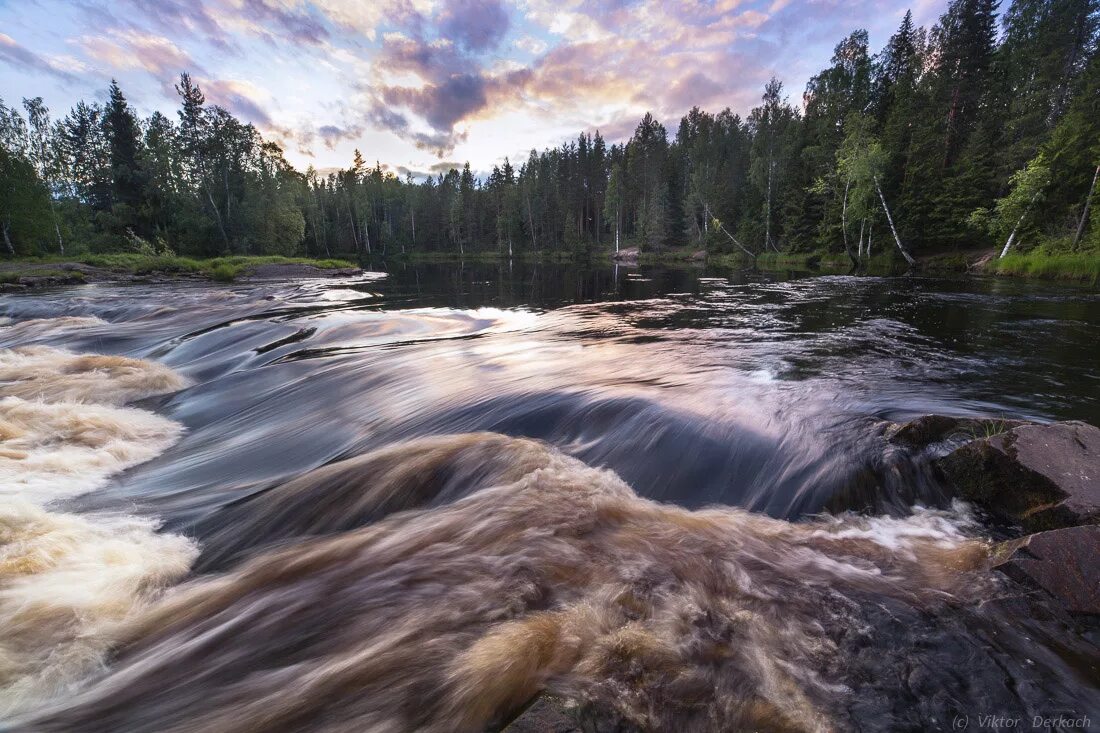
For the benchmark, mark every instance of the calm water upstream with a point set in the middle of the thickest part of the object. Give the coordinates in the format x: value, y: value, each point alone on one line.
x: 707, y: 531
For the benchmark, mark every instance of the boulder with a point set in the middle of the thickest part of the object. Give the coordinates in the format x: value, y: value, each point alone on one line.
x: 929, y: 430
x: 546, y: 714
x: 1063, y: 562
x: 627, y: 256
x: 1038, y: 476
x: 549, y: 713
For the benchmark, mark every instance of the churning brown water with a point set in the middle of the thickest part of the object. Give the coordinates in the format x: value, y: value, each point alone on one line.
x: 362, y: 506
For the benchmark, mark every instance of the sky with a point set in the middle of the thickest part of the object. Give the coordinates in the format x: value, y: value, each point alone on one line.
x: 423, y: 85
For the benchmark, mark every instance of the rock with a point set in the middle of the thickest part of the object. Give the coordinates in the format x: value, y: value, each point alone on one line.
x: 628, y: 256
x: 547, y: 714
x: 1039, y: 476
x: 551, y: 714
x: 931, y: 429
x: 293, y: 271
x: 35, y: 281
x: 1063, y: 562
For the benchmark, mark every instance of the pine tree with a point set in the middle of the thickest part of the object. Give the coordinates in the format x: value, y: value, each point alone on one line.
x: 128, y: 180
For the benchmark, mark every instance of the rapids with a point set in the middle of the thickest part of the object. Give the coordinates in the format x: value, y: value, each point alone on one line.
x: 413, y: 500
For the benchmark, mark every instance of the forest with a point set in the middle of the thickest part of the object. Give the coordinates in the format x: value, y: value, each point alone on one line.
x: 982, y: 131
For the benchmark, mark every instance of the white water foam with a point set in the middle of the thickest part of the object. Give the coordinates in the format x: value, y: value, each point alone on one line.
x: 66, y: 580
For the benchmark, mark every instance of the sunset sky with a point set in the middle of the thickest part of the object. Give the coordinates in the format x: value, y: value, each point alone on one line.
x: 419, y: 84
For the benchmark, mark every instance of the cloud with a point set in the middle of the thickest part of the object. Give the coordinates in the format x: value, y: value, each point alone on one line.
x: 331, y: 135
x: 366, y: 17
x: 12, y: 53
x: 432, y: 61
x: 130, y: 49
x: 439, y: 143
x: 183, y: 19
x: 239, y: 97
x: 448, y: 86
x: 442, y: 105
x: 694, y: 89
x: 476, y: 25
x: 289, y: 21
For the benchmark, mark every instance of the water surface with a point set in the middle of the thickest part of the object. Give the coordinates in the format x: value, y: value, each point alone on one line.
x: 750, y: 392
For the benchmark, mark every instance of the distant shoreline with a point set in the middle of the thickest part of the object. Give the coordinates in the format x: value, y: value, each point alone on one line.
x: 20, y: 274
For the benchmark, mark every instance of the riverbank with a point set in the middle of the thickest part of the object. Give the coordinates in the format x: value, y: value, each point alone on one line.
x: 1080, y: 267
x: 29, y: 273
x: 1069, y: 266
x: 41, y: 272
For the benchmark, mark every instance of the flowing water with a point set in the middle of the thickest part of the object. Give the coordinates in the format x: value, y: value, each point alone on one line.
x: 412, y: 500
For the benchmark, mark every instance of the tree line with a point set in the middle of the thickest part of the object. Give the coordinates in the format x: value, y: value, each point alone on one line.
x: 958, y: 135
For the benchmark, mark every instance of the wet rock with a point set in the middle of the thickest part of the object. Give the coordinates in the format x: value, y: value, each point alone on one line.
x: 552, y: 714
x: 34, y: 281
x: 929, y: 430
x: 547, y: 714
x: 293, y: 271
x: 1063, y: 562
x: 626, y: 256
x: 1038, y: 476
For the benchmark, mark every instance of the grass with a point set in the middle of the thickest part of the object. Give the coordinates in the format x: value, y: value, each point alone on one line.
x: 16, y: 276
x: 803, y: 260
x: 988, y: 428
x: 787, y: 259
x: 224, y: 272
x: 730, y: 260
x: 222, y: 269
x: 1080, y: 266
x: 945, y: 263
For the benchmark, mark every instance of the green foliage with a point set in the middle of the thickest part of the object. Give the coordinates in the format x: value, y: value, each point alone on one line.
x: 24, y: 206
x: 1010, y: 211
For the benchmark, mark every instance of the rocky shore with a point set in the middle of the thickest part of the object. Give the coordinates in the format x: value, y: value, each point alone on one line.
x: 21, y: 276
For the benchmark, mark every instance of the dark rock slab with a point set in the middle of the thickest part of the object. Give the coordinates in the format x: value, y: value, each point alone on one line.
x: 627, y: 255
x: 1039, y: 476
x: 1063, y: 562
x: 293, y: 271
x: 931, y: 429
x: 547, y: 714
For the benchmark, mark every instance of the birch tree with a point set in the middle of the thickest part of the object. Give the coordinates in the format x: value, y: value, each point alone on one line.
x: 861, y: 160
x: 1010, y: 212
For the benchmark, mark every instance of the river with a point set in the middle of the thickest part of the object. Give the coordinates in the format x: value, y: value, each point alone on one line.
x: 413, y: 499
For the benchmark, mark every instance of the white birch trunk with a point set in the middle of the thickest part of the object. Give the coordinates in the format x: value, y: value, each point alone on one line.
x: 1015, y: 229
x: 734, y: 240
x: 1085, y: 213
x: 844, y: 218
x: 618, y: 226
x: 768, y: 211
x: 1012, y: 236
x: 897, y: 240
